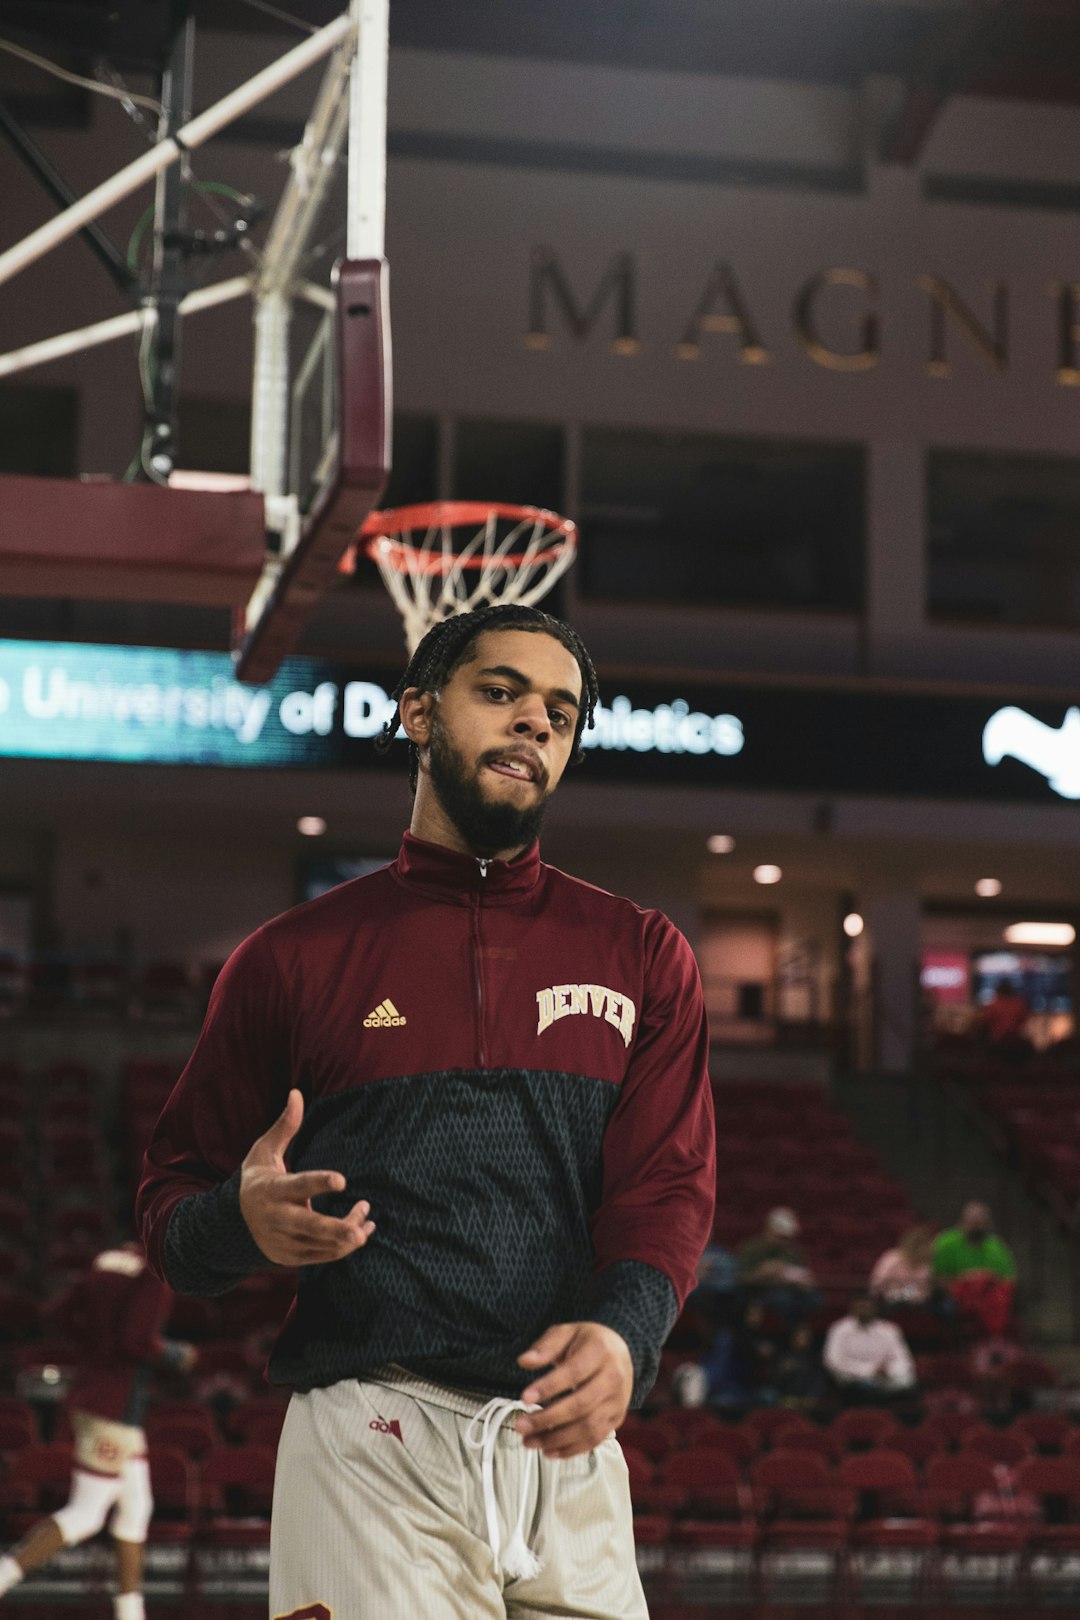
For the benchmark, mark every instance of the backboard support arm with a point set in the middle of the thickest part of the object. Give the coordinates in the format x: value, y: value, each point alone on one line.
x: 101, y: 246
x: 167, y: 287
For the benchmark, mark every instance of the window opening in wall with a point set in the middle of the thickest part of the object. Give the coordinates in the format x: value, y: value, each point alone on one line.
x: 520, y: 462
x: 737, y: 956
x: 214, y: 434
x: 1004, y: 538
x: 39, y: 430
x: 689, y: 518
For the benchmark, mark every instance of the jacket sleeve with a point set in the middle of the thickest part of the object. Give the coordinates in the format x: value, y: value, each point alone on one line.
x: 656, y: 1211
x: 234, y: 1086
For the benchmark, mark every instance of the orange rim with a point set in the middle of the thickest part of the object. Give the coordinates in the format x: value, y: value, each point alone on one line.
x: 381, y: 535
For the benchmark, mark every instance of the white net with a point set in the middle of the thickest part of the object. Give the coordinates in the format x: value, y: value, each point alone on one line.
x: 448, y: 563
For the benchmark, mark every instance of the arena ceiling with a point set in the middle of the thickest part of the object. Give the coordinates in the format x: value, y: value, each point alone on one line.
x: 1027, y: 49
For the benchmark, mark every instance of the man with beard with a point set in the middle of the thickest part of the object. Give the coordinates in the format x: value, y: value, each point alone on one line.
x: 479, y: 1105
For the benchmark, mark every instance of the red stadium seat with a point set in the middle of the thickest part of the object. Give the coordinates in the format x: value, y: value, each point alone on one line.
x: 643, y: 1435
x: 99, y: 987
x: 949, y: 1425
x: 1031, y: 1372
x: 890, y: 1511
x: 736, y: 1440
x: 767, y: 1420
x: 165, y: 990
x: 718, y: 1507
x: 174, y: 1483
x: 18, y: 1425
x: 864, y: 1430
x: 919, y: 1443
x: 222, y: 1364
x: 44, y: 1471
x: 1050, y: 1432
x: 945, y: 1371
x: 74, y: 1108
x: 68, y: 1148
x: 192, y: 1433
x: 960, y: 1492
x: 1055, y: 1481
x: 686, y: 1425
x: 237, y: 1487
x: 69, y: 1074
x: 257, y: 1422
x: 652, y: 1520
x: 804, y: 1505
x: 807, y: 1437
x: 1000, y: 1445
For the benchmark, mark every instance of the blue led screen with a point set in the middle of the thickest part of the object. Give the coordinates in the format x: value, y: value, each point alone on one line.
x: 157, y: 705
x: 166, y: 706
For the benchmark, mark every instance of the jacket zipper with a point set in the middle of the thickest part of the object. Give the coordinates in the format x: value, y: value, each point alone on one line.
x: 478, y: 970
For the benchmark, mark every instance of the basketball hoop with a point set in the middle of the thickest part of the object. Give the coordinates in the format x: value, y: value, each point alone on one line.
x: 448, y: 557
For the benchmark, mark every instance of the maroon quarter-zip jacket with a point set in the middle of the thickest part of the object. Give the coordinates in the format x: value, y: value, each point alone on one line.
x: 509, y: 1064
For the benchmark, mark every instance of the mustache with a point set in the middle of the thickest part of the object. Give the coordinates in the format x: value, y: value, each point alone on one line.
x: 534, y: 762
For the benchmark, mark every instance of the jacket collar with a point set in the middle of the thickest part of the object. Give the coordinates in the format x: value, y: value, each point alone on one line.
x: 447, y: 875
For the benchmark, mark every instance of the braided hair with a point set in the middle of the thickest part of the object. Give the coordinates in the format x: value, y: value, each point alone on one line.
x: 446, y: 646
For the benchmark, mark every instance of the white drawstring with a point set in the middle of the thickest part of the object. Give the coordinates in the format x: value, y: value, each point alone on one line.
x: 519, y: 1560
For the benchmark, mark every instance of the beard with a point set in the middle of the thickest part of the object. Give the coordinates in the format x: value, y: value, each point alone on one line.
x: 485, y: 824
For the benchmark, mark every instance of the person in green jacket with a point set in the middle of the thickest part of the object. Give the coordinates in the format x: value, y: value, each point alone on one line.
x: 977, y: 1267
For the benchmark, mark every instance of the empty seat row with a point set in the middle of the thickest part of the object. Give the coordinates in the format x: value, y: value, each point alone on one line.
x: 191, y: 1426
x: 225, y: 1496
x: 873, y: 1499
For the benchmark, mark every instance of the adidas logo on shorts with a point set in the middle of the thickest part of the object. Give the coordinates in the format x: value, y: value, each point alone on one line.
x: 385, y: 1016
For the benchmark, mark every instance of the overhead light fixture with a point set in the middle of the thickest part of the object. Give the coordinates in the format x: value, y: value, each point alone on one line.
x: 1040, y: 933
x: 767, y: 874
x: 987, y: 888
x: 720, y: 844
x: 311, y: 826
x: 853, y: 925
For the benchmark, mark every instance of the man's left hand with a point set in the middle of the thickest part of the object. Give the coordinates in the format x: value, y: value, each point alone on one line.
x: 586, y: 1393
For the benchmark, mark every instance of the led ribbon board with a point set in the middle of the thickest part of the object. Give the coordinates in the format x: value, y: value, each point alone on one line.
x: 165, y: 706
x: 144, y: 705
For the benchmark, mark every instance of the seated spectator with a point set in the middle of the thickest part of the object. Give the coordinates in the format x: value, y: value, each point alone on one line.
x: 868, y: 1359
x: 736, y: 1368
x: 773, y: 1268
x: 714, y: 1292
x: 1004, y: 1019
x: 798, y: 1377
x: 977, y: 1268
x: 754, y: 1357
x: 904, y: 1275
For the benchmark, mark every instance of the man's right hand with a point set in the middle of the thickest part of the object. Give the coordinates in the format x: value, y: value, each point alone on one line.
x: 277, y: 1205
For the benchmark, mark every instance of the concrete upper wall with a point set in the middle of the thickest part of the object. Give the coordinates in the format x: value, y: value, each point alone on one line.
x: 673, y: 173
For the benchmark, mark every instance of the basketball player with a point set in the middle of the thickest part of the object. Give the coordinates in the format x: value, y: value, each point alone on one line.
x: 468, y: 1096
x: 113, y: 1312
